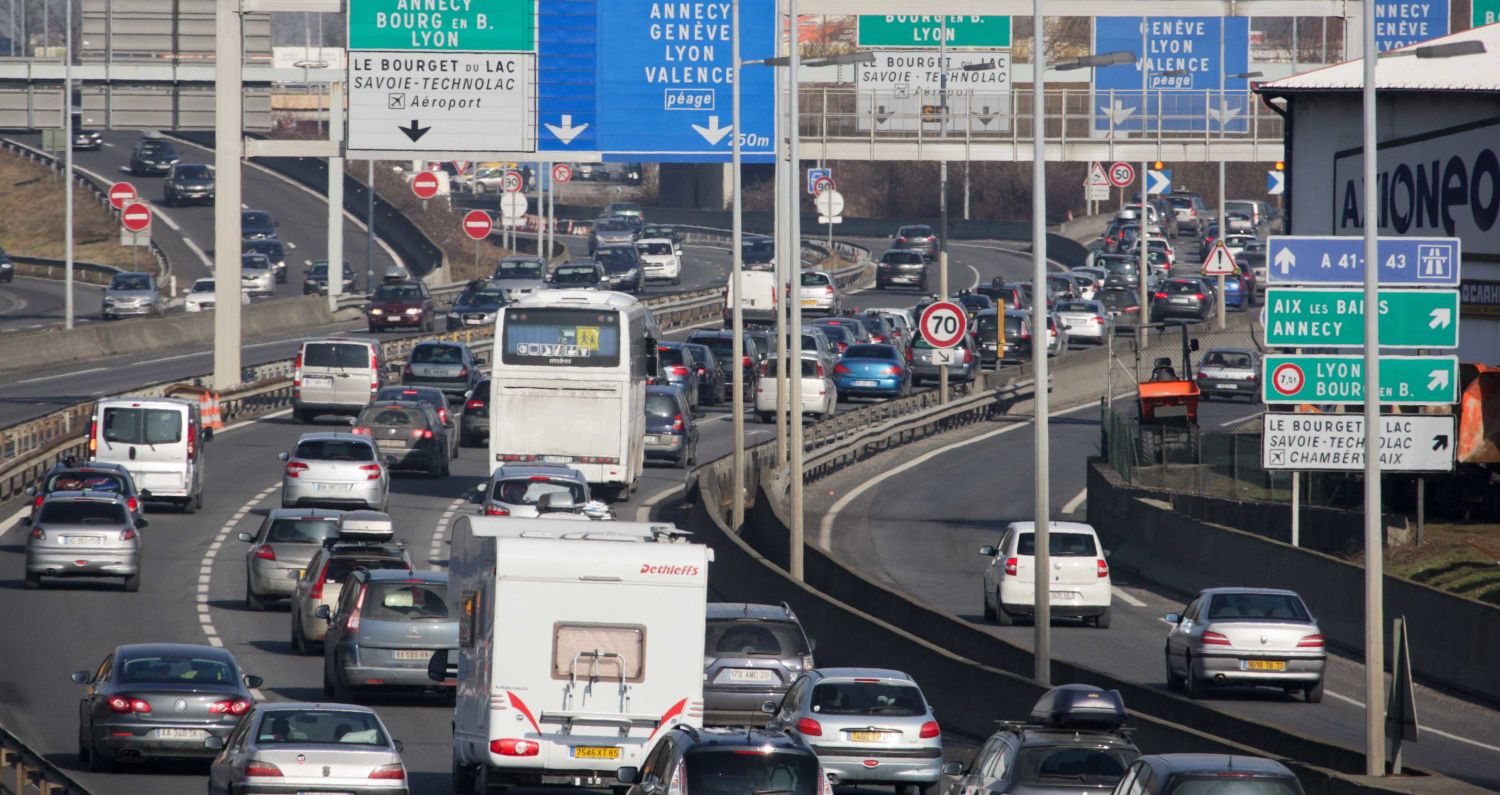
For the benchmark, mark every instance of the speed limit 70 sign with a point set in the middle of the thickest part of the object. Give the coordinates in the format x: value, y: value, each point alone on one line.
x: 943, y: 324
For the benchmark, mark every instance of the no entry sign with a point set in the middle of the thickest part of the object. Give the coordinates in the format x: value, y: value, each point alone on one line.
x: 135, y: 217
x: 120, y: 193
x: 424, y: 184
x: 477, y: 224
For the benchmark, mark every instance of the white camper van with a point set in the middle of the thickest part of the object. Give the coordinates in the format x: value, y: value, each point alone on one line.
x: 580, y: 644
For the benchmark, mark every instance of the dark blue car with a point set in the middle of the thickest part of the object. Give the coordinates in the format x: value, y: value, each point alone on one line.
x: 1235, y: 296
x: 671, y: 433
x: 477, y: 305
x: 872, y: 370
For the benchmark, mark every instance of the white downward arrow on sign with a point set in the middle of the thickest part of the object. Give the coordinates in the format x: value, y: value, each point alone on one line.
x: 1439, y: 380
x: 1223, y: 113
x: 566, y: 132
x: 1116, y: 112
x: 713, y: 133
x: 1442, y: 317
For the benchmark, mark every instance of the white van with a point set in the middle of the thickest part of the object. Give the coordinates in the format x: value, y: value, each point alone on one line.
x: 338, y: 375
x: 759, y: 304
x: 580, y: 644
x: 159, y: 440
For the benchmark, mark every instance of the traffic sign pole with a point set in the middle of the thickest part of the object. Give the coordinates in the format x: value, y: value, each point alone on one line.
x: 1223, y: 225
x: 1374, y: 541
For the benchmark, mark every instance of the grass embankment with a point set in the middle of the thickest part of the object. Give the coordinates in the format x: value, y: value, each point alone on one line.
x: 1463, y: 559
x: 31, y: 218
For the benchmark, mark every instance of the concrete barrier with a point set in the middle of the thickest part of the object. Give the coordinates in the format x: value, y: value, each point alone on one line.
x: 1455, y: 641
x: 967, y: 694
x: 31, y: 350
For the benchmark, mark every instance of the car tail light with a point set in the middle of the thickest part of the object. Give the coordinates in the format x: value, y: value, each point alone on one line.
x: 395, y: 772
x: 352, y: 622
x: 473, y: 403
x: 296, y: 373
x: 127, y: 534
x: 1098, y: 321
x: 1310, y: 642
x: 262, y: 770
x: 131, y: 504
x: 677, y: 423
x: 1010, y: 566
x: 900, y: 240
x: 360, y: 430
x: 909, y: 355
x: 316, y: 591
x: 373, y: 470
x: 496, y: 510
x: 515, y: 747
x: 825, y: 786
x: 126, y: 705
x: 1215, y: 639
x: 265, y: 552
x: 1198, y: 296
x: 1159, y: 296
x: 39, y: 534
x: 745, y: 362
x: 809, y: 727
x: 968, y: 354
x: 840, y: 369
x: 1103, y: 568
x: 37, y: 503
x: 677, y: 369
x: 232, y: 706
x: 443, y: 415
x: 828, y: 289
x: 463, y: 372
x: 701, y: 371
x: 295, y: 468
x: 843, y: 346
x: 765, y: 369
x: 892, y: 370
x: 406, y: 372
x: 418, y: 433
x: 877, y: 338
x: 192, y: 441
x: 929, y: 730
x: 819, y: 365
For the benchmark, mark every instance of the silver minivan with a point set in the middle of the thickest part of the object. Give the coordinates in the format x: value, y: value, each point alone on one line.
x: 338, y: 375
x: 159, y: 440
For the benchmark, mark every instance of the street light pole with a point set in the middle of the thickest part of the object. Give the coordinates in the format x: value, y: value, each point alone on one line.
x: 784, y: 296
x: 736, y: 286
x: 1374, y: 547
x: 794, y: 219
x: 67, y: 107
x: 943, y: 195
x: 1041, y: 495
x: 1223, y: 226
x: 229, y: 149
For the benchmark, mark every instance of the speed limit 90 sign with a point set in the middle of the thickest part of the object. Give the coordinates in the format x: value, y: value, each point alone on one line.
x: 943, y: 324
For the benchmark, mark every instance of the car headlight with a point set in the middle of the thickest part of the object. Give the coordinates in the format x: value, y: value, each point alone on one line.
x: 452, y: 315
x: 377, y: 311
x: 109, y: 299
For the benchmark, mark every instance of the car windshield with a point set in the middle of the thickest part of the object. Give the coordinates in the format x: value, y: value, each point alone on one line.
x: 902, y: 257
x: 867, y: 698
x: 839, y: 334
x: 173, y: 669
x: 809, y: 368
x: 302, y: 530
x: 1236, y: 359
x: 270, y: 248
x: 407, y: 601
x: 130, y: 281
x: 1086, y: 766
x: 86, y: 481
x: 575, y: 274
x: 319, y: 727
x: 437, y: 354
x: 617, y: 258
x: 740, y: 637
x: 529, y: 490
x: 142, y: 425
x: 254, y: 262
x: 519, y: 270
x: 255, y: 218
x: 398, y: 292
x: 1180, y: 202
x: 722, y: 347
x: 986, y: 327
x: 871, y: 352
x: 656, y: 249
x: 742, y: 771
x: 1231, y: 785
x: 1182, y: 287
x: 661, y: 406
x: 157, y: 148
x: 916, y: 231
x: 1256, y: 606
x: 1087, y: 307
x: 203, y: 286
x: 341, y: 566
x: 392, y: 417
x: 335, y: 354
x: 671, y: 356
x: 1060, y: 545
x: 613, y: 225
x: 334, y: 450
x: 428, y: 395
x: 81, y: 512
x: 1123, y: 267
x: 758, y: 251
x: 482, y: 296
x: 193, y: 172
x: 1119, y: 299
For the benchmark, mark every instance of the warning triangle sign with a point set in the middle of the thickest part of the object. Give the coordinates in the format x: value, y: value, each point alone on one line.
x: 1219, y: 261
x: 1097, y: 177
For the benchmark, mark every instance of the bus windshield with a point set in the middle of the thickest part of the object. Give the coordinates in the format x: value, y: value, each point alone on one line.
x: 561, y: 337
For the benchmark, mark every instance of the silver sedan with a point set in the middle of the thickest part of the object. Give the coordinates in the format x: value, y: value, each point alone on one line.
x: 292, y: 747
x: 1245, y: 636
x: 281, y: 549
x: 1088, y: 321
x: 340, y: 470
x: 84, y: 534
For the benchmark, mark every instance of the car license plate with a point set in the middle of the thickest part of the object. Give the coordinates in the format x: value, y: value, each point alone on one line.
x: 557, y: 459
x: 179, y: 734
x: 809, y: 302
x: 334, y: 486
x: 869, y: 737
x: 750, y: 675
x: 390, y: 443
x: 866, y: 383
x: 1229, y: 386
x: 82, y: 540
x: 653, y: 439
x: 413, y: 654
x: 473, y: 321
x: 317, y: 380
x: 1064, y: 594
x: 1265, y: 665
x: 594, y: 752
x: 1179, y: 300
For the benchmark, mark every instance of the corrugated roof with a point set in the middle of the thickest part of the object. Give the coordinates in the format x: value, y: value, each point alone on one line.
x: 1401, y: 70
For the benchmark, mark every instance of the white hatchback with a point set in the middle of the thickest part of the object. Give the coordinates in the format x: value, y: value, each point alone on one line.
x: 661, y: 260
x: 1078, y: 582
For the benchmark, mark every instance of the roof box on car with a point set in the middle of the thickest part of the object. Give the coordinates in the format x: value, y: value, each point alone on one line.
x: 1080, y: 706
x: 366, y: 526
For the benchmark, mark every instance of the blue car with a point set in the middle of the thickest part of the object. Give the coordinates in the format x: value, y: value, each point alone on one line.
x: 1235, y: 296
x: 871, y: 370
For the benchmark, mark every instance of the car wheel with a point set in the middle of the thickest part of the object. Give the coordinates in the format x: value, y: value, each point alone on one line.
x: 1196, y: 687
x: 1175, y: 683
x: 253, y: 603
x: 302, y: 416
x: 299, y: 643
x: 97, y: 762
x: 342, y: 692
x: 1002, y: 617
x: 989, y: 612
x: 33, y: 581
x: 1314, y: 693
x: 464, y: 778
x: 1101, y: 621
x: 133, y: 582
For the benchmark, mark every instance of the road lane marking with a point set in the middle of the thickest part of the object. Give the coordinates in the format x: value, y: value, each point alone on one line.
x: 1446, y: 735
x: 15, y: 519
x: 205, y: 569
x: 975, y: 284
x: 1125, y: 597
x: 643, y: 513
x: 825, y: 527
x: 59, y: 375
x: 1072, y: 505
x: 443, y: 530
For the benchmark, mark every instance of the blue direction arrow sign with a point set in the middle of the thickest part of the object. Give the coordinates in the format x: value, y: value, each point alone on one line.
x: 1404, y: 261
x: 1275, y: 182
x: 1158, y: 181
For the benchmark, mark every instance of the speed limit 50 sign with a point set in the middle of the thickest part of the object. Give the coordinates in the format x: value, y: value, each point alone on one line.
x: 943, y: 324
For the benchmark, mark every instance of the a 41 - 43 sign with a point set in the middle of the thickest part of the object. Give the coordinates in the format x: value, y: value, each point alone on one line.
x: 943, y: 324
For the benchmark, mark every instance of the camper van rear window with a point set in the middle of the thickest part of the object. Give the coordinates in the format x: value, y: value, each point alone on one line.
x: 142, y: 426
x: 599, y: 652
x: 562, y: 337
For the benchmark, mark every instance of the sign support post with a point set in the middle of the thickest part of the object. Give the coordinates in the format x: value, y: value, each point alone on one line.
x: 335, y: 201
x: 943, y: 193
x: 1041, y: 466
x: 1145, y: 267
x: 1374, y: 548
x: 736, y: 284
x: 1223, y: 225
x: 67, y: 111
x: 792, y: 198
x: 228, y: 152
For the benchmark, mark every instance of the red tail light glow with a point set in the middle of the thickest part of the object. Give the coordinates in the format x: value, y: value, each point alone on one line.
x: 745, y: 362
x: 37, y: 503
x: 515, y: 747
x: 233, y: 706
x: 419, y: 433
x: 352, y: 622
x: 1010, y: 566
x: 1159, y: 296
x: 265, y: 552
x: 373, y: 470
x: 39, y: 534
x: 131, y: 504
x: 262, y: 770
x: 125, y: 705
x: 968, y: 354
x: 677, y: 423
x: 1310, y: 642
x: 1216, y: 639
x: 316, y: 591
x: 406, y: 372
x: 473, y: 403
x: 929, y: 730
x: 192, y: 441
x: 395, y: 772
x: 809, y: 727
x: 361, y: 431
x: 295, y: 468
x: 495, y: 510
x: 894, y: 369
x: 463, y: 372
x: 840, y: 369
x: 677, y: 369
x: 1103, y: 568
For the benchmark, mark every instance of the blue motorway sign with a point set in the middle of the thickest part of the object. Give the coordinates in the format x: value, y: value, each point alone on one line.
x: 567, y: 65
x: 1186, y: 85
x: 1401, y: 23
x: 663, y: 77
x: 1339, y: 260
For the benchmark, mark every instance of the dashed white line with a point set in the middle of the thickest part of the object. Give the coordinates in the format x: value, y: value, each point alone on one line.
x: 1072, y: 505
x: 1124, y: 596
x: 444, y: 526
x: 643, y: 513
x: 205, y: 576
x: 1439, y: 732
x: 60, y: 375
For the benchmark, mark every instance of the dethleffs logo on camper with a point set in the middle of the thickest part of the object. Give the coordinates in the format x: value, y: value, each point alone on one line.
x: 681, y: 570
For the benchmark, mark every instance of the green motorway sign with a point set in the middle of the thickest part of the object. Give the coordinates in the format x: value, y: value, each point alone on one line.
x: 1486, y: 12
x: 917, y: 30
x: 1307, y: 317
x: 443, y: 25
x: 1406, y: 380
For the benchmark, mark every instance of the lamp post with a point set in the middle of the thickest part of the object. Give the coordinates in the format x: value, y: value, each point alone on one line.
x: 1041, y: 500
x: 1223, y: 123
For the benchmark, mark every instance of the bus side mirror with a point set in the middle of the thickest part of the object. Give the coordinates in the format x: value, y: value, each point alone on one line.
x: 651, y: 360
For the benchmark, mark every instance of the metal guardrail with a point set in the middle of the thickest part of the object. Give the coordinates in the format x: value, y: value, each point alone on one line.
x: 23, y: 771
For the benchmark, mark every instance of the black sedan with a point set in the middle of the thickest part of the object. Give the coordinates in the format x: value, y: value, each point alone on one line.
x: 1182, y: 298
x: 477, y: 305
x: 159, y: 700
x: 257, y: 225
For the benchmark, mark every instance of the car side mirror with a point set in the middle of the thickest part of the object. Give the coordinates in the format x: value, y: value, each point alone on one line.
x: 1193, y: 344
x: 282, y: 456
x: 626, y: 775
x: 1172, y: 618
x: 953, y: 768
x: 252, y: 681
x: 768, y: 707
x: 26, y: 520
x: 439, y: 669
x: 812, y: 644
x: 989, y: 551
x: 31, y: 491
x: 80, y: 677
x: 322, y: 612
x: 480, y: 361
x: 247, y: 537
x: 213, y: 743
x: 208, y: 434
